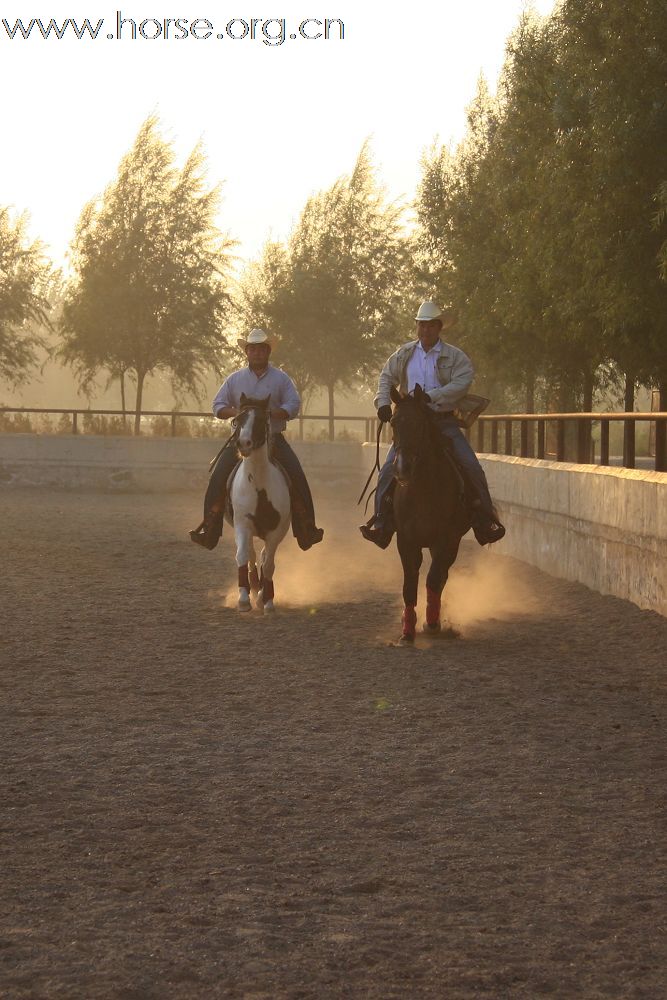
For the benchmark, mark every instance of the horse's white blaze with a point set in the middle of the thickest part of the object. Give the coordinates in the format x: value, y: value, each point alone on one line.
x: 245, y: 434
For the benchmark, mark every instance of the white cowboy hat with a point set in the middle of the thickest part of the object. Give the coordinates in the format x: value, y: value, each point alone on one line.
x: 255, y: 336
x: 428, y: 311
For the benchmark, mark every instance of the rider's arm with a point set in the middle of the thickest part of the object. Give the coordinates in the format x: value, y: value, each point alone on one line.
x: 225, y: 412
x: 224, y: 404
x: 461, y: 374
x: 389, y: 376
x: 288, y: 400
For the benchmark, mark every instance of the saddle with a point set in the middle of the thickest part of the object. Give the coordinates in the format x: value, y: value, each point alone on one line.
x: 465, y: 504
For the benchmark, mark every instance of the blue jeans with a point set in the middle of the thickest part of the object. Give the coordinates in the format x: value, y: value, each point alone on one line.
x: 283, y: 453
x: 465, y: 458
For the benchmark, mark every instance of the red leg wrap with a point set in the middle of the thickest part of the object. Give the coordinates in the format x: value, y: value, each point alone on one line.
x: 432, y: 607
x: 254, y: 578
x: 409, y: 620
x: 267, y: 590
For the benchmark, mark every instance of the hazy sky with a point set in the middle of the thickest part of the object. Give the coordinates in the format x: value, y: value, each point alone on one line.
x: 278, y: 121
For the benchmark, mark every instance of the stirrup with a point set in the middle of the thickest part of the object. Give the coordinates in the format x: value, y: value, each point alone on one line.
x: 208, y: 533
x: 309, y: 536
x: 379, y: 536
x: 488, y: 532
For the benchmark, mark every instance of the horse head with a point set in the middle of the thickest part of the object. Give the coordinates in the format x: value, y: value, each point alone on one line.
x: 252, y: 424
x: 412, y: 427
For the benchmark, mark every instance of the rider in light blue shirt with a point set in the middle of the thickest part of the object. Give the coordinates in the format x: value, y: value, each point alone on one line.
x: 258, y: 380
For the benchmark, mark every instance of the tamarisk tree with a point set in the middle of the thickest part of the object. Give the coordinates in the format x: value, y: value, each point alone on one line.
x: 24, y: 282
x: 149, y: 293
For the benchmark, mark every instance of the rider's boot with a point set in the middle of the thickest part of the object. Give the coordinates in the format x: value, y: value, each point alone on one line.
x: 486, y: 524
x: 209, y: 531
x: 305, y: 531
x: 379, y: 528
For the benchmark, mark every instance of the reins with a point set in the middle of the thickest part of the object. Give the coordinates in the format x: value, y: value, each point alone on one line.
x: 235, y: 433
x: 376, y: 468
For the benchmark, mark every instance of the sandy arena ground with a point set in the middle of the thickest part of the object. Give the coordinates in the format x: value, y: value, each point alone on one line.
x: 201, y: 804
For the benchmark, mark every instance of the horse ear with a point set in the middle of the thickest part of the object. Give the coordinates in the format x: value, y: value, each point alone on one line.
x: 395, y: 394
x: 418, y: 392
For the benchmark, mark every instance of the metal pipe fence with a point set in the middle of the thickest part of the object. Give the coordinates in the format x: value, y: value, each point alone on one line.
x: 568, y: 437
x: 559, y: 437
x: 78, y: 415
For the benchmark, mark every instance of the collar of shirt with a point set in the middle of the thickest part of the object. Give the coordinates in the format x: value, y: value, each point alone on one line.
x: 436, y: 349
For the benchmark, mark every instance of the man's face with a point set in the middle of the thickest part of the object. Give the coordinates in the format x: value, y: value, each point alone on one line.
x: 258, y: 356
x: 428, y: 332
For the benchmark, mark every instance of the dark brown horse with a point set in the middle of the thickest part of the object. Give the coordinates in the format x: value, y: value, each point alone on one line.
x: 428, y: 507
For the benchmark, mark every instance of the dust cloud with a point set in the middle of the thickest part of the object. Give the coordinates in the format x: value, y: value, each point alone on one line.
x: 346, y: 569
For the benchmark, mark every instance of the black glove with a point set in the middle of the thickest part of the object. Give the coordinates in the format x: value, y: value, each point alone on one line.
x: 384, y: 413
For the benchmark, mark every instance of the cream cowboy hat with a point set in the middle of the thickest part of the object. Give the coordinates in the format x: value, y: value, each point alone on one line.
x: 255, y: 336
x: 428, y: 311
x: 431, y: 310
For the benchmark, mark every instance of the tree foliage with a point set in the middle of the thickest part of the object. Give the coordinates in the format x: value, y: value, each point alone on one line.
x: 541, y: 225
x: 150, y: 287
x: 25, y: 276
x: 335, y: 293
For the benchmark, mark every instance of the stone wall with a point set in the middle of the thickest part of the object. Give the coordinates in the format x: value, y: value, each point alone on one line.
x: 603, y: 527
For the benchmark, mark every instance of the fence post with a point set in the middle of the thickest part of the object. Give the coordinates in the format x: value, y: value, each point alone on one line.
x: 560, y: 441
x: 480, y: 436
x: 524, y: 438
x: 628, y: 444
x: 661, y: 445
x: 75, y: 429
x: 494, y: 437
x: 583, y: 441
x: 508, y: 437
x: 604, y: 442
x: 541, y: 437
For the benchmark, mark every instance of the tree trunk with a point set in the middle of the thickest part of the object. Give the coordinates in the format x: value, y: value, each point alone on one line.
x: 140, y: 391
x: 629, y: 403
x: 301, y: 409
x: 121, y: 379
x: 530, y: 408
x: 530, y: 392
x: 586, y: 426
x: 330, y: 389
x: 661, y: 431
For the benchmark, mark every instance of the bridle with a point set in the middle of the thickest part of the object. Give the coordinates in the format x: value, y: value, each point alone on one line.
x: 408, y: 459
x: 239, y: 421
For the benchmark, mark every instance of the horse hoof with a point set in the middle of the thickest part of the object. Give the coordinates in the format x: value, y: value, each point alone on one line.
x: 244, y: 606
x: 407, y: 638
x: 269, y: 608
x: 431, y: 629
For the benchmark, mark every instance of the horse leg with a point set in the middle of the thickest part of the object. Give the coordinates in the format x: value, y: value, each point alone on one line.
x: 411, y: 558
x: 442, y: 558
x: 268, y: 565
x: 253, y: 575
x: 243, y: 550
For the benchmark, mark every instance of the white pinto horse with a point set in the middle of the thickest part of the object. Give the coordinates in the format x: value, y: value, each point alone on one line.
x: 260, y: 503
